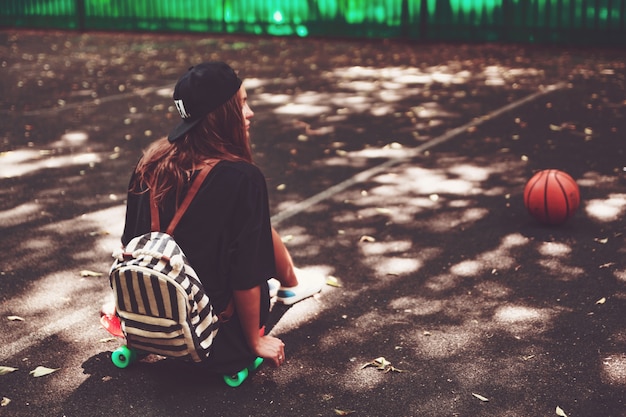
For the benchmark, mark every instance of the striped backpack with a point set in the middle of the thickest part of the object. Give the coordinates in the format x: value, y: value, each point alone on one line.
x: 159, y: 298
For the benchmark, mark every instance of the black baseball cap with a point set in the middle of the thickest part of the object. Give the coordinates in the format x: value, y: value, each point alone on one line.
x: 201, y: 90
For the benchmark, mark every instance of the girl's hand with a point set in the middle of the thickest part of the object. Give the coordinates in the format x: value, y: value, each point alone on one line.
x: 272, y: 349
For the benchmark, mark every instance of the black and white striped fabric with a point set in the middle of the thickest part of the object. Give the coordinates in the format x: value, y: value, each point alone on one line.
x: 160, y: 300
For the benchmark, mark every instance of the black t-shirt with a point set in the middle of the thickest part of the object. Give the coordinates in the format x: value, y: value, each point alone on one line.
x: 225, y: 234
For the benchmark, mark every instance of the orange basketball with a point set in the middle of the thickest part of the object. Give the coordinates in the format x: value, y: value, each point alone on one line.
x: 551, y: 196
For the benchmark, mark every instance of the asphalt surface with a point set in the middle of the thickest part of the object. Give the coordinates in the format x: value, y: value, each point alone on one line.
x: 395, y: 168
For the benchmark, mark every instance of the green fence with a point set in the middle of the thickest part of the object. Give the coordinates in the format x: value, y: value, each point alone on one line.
x: 558, y: 21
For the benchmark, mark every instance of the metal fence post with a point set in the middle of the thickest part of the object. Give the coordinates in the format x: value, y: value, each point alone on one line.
x: 423, y: 19
x: 80, y: 15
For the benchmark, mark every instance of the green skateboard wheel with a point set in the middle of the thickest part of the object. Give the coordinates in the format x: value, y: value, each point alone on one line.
x: 238, y: 378
x: 123, y: 356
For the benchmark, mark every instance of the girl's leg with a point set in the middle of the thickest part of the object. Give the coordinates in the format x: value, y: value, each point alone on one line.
x: 291, y: 289
x: 284, y: 264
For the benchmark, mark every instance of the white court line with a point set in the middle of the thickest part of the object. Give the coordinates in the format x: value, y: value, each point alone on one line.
x: 407, y: 155
x: 13, y: 348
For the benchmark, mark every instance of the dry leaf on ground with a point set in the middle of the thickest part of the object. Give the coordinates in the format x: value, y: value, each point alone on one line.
x: 333, y: 281
x: 480, y: 397
x: 560, y: 412
x: 6, y: 370
x: 42, y: 371
x: 382, y: 364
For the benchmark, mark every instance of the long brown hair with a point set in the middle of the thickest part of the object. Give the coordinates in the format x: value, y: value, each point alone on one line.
x: 164, y: 167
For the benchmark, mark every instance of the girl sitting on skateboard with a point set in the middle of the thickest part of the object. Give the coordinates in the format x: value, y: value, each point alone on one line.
x: 226, y: 232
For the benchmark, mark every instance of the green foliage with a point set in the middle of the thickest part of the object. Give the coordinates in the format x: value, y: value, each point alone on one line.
x: 443, y: 19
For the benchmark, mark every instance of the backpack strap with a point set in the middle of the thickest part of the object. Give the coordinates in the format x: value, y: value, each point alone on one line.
x: 155, y: 221
x: 229, y: 311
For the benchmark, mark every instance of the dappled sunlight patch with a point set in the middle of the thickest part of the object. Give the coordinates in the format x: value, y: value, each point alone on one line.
x: 417, y: 180
x: 268, y: 98
x: 70, y: 139
x: 20, y: 214
x: 387, y: 85
x: 298, y: 237
x: 430, y: 110
x: 394, y: 266
x: 388, y: 190
x: 381, y: 110
x: 288, y: 204
x: 416, y: 176
x: 554, y: 249
x: 470, y: 172
x: 294, y: 236
x: 514, y: 240
x: 467, y: 268
x: 451, y: 186
x: 449, y: 220
x: 515, y: 314
x: 497, y: 261
x: 399, y: 213
x: 398, y: 209
x: 299, y: 109
x: 417, y: 306
x: 404, y: 75
x: 105, y: 226
x: 27, y: 161
x: 594, y: 179
x: 382, y: 248
x: 355, y: 161
x: 559, y: 270
x: 494, y: 192
x: 402, y: 194
x: 300, y: 313
x: 361, y: 86
x: 350, y: 103
x: 441, y: 283
x: 252, y: 83
x: 165, y: 92
x: 50, y: 294
x: 315, y: 98
x: 607, y: 210
x: 41, y: 245
x: 459, y: 203
x: 620, y: 274
x: 519, y: 319
x: 614, y: 369
x: 393, y: 150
